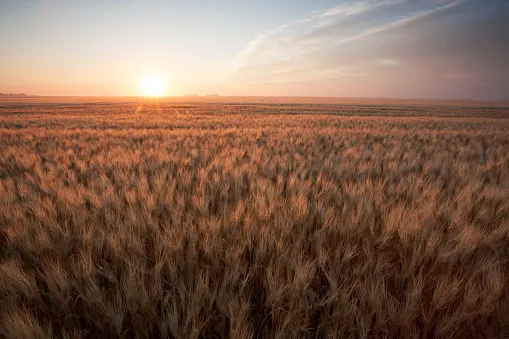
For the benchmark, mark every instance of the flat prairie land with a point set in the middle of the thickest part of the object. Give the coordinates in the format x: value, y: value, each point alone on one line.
x: 253, y: 218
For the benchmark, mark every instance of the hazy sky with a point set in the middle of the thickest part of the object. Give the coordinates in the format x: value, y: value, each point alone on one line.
x: 456, y: 49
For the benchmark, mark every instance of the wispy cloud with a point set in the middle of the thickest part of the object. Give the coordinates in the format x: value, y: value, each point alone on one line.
x: 356, y: 7
x: 371, y: 38
x: 292, y: 45
x: 388, y: 62
x: 460, y: 76
x: 291, y: 75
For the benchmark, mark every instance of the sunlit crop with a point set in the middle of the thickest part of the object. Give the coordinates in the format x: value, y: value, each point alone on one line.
x: 249, y: 220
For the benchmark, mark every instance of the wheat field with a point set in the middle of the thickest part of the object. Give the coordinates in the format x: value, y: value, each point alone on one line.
x: 253, y: 220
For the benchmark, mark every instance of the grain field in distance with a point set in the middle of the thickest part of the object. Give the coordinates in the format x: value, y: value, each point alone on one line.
x: 253, y: 220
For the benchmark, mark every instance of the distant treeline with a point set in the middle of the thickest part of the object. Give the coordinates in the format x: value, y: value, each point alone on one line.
x: 13, y: 95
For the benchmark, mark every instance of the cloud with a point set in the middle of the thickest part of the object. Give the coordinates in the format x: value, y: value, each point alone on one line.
x: 289, y: 75
x: 356, y: 7
x: 294, y: 44
x: 388, y: 62
x: 460, y: 76
x: 423, y: 38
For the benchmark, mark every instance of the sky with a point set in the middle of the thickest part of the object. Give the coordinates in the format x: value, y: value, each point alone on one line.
x: 429, y: 49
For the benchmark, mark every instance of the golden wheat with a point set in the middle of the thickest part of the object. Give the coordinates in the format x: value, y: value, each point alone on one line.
x: 250, y: 220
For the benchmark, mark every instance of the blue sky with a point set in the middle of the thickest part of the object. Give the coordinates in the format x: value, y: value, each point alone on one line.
x: 453, y: 49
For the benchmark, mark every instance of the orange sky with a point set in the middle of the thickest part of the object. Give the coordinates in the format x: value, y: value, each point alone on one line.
x: 445, y: 49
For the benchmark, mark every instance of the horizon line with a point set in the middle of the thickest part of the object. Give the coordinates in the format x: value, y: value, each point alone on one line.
x: 196, y: 96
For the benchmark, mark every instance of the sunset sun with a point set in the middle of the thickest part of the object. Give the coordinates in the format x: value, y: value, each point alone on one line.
x: 153, y: 86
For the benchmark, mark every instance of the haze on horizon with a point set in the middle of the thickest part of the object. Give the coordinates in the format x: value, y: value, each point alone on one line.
x: 441, y: 49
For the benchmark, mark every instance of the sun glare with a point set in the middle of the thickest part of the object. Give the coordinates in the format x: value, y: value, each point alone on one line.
x: 153, y: 87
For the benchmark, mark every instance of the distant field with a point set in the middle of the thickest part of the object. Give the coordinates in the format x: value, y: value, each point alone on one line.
x: 253, y: 217
x: 250, y: 100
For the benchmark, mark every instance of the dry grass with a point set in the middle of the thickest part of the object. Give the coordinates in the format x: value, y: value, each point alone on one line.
x: 253, y: 220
